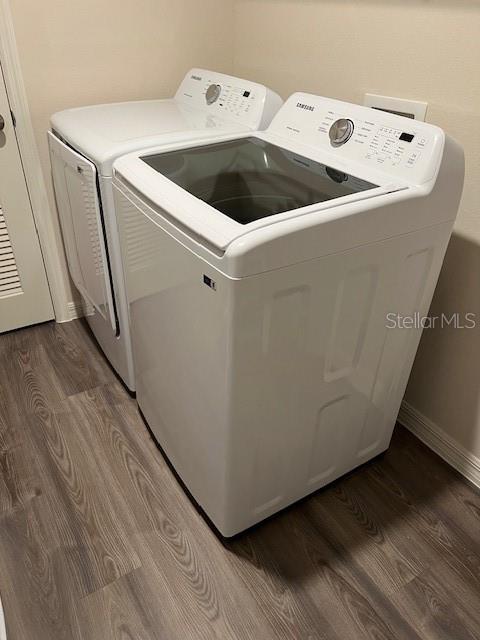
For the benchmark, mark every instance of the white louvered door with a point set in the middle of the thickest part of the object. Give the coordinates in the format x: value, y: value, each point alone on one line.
x: 24, y: 294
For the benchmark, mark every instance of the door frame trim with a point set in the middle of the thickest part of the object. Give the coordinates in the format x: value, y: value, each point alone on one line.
x: 44, y: 217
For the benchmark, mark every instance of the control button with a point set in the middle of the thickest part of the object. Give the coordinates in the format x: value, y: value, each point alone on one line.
x: 341, y: 131
x: 213, y: 93
x: 413, y: 159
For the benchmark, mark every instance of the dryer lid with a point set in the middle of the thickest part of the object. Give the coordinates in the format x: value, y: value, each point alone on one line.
x: 105, y: 132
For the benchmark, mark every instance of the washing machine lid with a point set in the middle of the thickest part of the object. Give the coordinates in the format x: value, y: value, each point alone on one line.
x: 221, y: 190
x: 104, y: 132
x: 249, y: 179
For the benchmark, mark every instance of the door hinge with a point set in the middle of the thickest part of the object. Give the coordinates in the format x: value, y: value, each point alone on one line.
x: 14, y: 120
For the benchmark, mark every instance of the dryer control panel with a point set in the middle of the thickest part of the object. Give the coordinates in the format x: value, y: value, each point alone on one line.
x: 403, y: 148
x: 228, y: 97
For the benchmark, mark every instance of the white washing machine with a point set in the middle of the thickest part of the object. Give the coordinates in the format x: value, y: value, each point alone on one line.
x: 261, y: 295
x: 84, y: 142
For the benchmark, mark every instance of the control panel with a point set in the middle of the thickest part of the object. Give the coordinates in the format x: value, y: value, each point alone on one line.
x: 382, y: 144
x: 228, y: 97
x: 385, y: 142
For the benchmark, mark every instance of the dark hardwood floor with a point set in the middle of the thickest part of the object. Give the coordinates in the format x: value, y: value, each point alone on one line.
x: 99, y: 542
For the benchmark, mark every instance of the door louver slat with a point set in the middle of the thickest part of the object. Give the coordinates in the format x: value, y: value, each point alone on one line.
x: 9, y: 277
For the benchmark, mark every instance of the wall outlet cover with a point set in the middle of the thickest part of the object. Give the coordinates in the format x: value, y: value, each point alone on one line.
x: 415, y: 109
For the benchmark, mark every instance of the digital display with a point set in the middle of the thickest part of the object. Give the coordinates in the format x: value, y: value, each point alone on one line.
x: 246, y: 94
x: 407, y: 137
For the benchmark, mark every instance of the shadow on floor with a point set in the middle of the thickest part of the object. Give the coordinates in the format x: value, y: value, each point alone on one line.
x: 387, y: 512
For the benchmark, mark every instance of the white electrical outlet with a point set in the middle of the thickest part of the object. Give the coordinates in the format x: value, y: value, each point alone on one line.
x: 414, y: 109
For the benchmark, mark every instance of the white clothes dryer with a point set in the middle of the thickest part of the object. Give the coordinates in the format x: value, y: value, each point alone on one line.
x: 85, y: 141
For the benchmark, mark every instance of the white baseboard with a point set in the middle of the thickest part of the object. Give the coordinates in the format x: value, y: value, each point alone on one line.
x: 74, y: 310
x: 446, y: 447
x: 3, y: 631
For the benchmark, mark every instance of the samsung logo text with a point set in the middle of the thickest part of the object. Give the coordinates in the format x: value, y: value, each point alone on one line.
x: 307, y: 107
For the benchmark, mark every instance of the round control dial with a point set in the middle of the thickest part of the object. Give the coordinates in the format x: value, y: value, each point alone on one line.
x: 341, y: 131
x: 213, y: 93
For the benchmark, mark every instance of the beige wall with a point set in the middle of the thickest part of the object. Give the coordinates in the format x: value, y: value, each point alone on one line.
x: 92, y: 51
x: 422, y: 49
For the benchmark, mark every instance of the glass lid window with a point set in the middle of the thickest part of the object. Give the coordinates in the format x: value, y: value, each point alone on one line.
x: 249, y: 179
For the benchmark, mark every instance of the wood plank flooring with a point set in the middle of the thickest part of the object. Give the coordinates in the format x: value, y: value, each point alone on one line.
x: 99, y: 542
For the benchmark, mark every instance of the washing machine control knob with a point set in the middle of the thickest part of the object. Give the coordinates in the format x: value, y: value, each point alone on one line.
x: 341, y: 131
x: 213, y: 93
